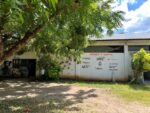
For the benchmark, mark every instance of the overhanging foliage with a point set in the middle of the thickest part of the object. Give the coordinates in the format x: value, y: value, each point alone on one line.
x: 56, y: 26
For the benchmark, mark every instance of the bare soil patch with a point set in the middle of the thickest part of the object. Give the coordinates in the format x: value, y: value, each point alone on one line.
x: 43, y: 97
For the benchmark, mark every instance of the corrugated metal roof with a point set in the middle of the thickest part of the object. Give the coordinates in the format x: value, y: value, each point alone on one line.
x: 134, y: 36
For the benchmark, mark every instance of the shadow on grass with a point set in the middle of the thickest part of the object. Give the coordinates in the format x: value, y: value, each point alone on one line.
x: 141, y: 87
x: 40, y: 97
x: 134, y: 86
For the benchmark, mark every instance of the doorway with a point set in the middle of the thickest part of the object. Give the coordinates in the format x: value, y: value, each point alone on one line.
x: 147, y: 76
x: 26, y: 67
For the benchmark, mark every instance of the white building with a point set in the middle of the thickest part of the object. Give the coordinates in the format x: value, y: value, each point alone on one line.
x: 108, y: 58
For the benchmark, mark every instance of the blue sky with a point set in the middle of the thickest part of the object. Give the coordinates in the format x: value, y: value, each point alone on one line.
x: 137, y: 15
x: 135, y: 5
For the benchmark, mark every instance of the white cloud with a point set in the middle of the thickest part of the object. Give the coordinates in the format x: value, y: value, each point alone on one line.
x: 132, y: 1
x: 138, y: 20
x: 121, y: 5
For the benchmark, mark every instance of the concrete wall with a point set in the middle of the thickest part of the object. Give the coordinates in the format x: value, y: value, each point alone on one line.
x: 26, y: 55
x: 97, y: 66
x: 102, y: 66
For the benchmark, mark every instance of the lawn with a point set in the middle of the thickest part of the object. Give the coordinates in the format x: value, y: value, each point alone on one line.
x: 132, y: 92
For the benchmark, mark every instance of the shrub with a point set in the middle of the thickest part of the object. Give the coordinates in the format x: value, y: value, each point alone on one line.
x: 51, y: 66
x: 54, y: 72
x: 140, y: 64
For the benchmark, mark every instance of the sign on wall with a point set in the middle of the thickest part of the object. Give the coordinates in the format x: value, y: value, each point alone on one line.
x: 99, y: 66
x: 104, y: 66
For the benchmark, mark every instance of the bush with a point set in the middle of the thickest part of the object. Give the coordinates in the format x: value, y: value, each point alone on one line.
x: 140, y: 64
x: 54, y: 72
x: 52, y: 67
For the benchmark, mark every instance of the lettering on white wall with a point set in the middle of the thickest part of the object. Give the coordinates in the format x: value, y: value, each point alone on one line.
x: 86, y: 62
x: 113, y: 66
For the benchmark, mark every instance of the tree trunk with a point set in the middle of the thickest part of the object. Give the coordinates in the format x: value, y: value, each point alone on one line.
x: 137, y: 78
x: 27, y: 37
x: 1, y: 47
x: 140, y: 78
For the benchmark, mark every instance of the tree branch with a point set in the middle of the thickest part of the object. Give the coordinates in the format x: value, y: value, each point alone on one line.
x: 27, y: 37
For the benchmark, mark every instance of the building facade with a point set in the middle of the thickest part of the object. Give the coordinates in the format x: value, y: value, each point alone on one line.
x: 108, y: 58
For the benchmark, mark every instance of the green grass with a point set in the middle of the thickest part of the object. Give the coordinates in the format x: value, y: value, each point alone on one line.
x: 132, y: 92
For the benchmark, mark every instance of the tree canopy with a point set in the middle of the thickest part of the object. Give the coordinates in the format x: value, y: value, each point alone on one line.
x: 59, y: 27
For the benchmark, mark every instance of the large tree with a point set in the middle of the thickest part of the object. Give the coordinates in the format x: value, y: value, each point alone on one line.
x: 57, y: 26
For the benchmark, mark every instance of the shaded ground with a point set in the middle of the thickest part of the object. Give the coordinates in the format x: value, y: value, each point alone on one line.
x: 43, y: 97
x: 147, y: 82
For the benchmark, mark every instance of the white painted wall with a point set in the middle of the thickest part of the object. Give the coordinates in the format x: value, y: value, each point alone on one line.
x: 98, y: 66
x: 130, y: 71
x: 69, y: 69
x: 101, y: 66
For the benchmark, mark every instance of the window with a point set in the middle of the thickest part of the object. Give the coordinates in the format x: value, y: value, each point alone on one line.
x: 108, y: 49
x: 138, y: 47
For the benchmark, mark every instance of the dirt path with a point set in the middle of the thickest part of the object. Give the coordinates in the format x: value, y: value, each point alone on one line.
x: 38, y: 97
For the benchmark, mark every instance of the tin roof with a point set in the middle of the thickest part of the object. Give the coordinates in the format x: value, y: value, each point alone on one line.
x: 134, y: 36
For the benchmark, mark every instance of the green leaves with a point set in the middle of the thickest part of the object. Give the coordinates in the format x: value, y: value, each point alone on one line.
x: 66, y: 23
x: 140, y: 64
x: 54, y: 3
x: 141, y: 61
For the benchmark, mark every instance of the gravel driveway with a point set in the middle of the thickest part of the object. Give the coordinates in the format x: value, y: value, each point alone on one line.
x: 42, y: 97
